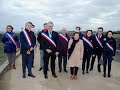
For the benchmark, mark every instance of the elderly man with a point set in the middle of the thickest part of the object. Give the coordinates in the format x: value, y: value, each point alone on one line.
x: 63, y: 41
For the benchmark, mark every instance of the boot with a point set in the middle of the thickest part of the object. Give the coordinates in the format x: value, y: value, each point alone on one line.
x: 9, y: 66
x: 14, y: 67
x: 75, y: 77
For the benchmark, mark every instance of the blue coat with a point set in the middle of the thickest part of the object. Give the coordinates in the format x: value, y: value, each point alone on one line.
x: 87, y: 48
x: 9, y: 46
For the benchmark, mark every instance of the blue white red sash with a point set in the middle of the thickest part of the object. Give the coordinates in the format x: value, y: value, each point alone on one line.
x: 49, y: 39
x: 98, y: 40
x: 13, y: 40
x: 27, y: 37
x: 65, y: 38
x: 88, y: 42
x: 109, y: 46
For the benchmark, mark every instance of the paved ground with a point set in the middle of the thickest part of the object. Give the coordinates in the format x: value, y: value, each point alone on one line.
x: 13, y: 80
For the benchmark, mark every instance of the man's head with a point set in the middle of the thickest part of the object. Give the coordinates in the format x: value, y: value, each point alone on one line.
x: 28, y: 25
x: 45, y: 25
x: 78, y: 29
x: 100, y: 30
x: 64, y: 30
x: 50, y: 26
x: 89, y: 33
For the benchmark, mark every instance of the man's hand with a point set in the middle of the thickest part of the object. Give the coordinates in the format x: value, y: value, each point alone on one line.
x: 31, y: 48
x: 56, y: 53
x: 48, y: 50
x: 93, y: 55
x: 17, y: 49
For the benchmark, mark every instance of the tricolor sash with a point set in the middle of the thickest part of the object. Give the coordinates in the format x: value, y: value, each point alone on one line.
x: 49, y: 39
x: 13, y: 40
x: 109, y: 46
x: 88, y: 42
x: 98, y: 40
x: 27, y: 37
x: 62, y: 36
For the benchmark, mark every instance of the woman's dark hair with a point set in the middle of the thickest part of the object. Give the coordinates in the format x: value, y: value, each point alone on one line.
x: 78, y: 27
x: 101, y: 28
x: 108, y: 32
x: 76, y: 33
x: 10, y: 27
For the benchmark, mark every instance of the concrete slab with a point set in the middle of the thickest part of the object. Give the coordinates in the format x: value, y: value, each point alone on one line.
x: 13, y: 80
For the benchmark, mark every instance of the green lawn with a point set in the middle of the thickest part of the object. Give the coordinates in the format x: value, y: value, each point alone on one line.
x: 116, y: 35
x: 3, y: 57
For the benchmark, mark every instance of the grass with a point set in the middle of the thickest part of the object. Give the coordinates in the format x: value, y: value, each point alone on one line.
x: 3, y: 56
x: 116, y: 35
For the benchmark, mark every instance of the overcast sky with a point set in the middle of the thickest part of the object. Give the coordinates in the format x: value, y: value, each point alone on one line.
x: 88, y: 14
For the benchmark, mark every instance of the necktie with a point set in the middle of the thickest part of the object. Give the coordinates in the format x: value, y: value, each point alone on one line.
x: 50, y: 34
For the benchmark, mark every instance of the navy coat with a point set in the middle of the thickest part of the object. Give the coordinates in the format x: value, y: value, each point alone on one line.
x: 9, y: 46
x: 24, y: 44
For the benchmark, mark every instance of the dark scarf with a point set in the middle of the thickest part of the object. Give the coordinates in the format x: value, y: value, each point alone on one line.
x: 70, y: 50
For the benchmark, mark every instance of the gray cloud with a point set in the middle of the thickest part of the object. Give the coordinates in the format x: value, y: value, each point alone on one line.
x: 89, y: 14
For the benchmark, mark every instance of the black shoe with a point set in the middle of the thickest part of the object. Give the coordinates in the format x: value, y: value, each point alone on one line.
x: 108, y: 75
x: 31, y: 75
x: 60, y: 71
x: 99, y: 70
x: 83, y: 72
x: 65, y: 71
x: 24, y: 76
x: 87, y: 71
x: 48, y: 69
x: 104, y: 75
x: 55, y: 76
x: 91, y: 69
x: 46, y: 77
x: 40, y: 69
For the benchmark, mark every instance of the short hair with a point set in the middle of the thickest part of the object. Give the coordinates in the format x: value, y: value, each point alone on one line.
x: 101, y: 28
x: 10, y: 27
x: 33, y: 25
x: 90, y: 31
x: 78, y: 27
x: 50, y: 23
x: 45, y: 24
x: 29, y: 23
x: 108, y: 32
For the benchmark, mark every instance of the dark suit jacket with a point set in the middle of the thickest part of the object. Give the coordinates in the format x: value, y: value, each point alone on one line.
x: 24, y: 44
x: 40, y: 39
x: 48, y: 45
x: 97, y: 47
x: 63, y: 45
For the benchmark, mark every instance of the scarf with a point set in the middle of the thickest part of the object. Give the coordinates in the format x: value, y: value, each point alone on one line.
x: 70, y: 50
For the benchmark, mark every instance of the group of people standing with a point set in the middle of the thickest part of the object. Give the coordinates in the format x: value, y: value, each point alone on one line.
x: 69, y: 50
